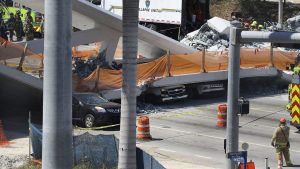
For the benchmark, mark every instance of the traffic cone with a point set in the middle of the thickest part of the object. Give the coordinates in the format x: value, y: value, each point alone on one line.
x: 143, y: 128
x: 222, y: 115
x: 3, y: 139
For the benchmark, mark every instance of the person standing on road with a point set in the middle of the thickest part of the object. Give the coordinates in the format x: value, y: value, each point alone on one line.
x: 28, y: 17
x: 3, y: 31
x: 18, y: 27
x: 11, y: 26
x: 280, y: 141
x: 29, y: 32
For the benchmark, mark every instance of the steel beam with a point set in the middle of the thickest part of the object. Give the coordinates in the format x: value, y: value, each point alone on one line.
x: 279, y: 37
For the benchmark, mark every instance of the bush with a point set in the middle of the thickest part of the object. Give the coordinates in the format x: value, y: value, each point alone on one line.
x: 83, y: 165
x: 30, y: 165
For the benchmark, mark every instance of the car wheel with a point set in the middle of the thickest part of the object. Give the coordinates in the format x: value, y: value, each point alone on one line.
x: 89, y: 121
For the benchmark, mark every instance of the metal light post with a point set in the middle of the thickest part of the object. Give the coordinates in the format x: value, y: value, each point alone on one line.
x: 232, y: 130
x: 236, y: 37
x: 57, y: 91
x: 280, y: 14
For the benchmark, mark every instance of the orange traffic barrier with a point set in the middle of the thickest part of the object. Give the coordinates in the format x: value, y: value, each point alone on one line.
x: 222, y: 115
x: 143, y: 128
x: 3, y: 139
x: 250, y: 165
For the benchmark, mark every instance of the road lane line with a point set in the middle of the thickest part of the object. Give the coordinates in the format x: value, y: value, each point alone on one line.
x: 187, y: 132
x: 162, y: 149
x: 220, y: 138
x: 202, y: 156
x: 273, y: 127
x: 269, y: 111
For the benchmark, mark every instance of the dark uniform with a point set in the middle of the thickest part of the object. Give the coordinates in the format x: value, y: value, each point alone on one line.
x: 28, y: 17
x: 1, y: 17
x: 11, y: 26
x: 280, y: 141
x: 3, y: 31
x: 29, y: 32
x: 18, y: 27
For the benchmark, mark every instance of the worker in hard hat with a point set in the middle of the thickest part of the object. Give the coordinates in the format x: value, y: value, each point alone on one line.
x: 260, y: 27
x: 246, y: 26
x: 11, y: 26
x: 254, y: 26
x: 280, y: 141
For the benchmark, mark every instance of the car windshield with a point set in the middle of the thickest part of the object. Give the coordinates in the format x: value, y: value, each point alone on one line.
x: 91, y: 99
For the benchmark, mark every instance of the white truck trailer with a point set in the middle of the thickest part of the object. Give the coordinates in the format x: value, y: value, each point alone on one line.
x: 173, y: 19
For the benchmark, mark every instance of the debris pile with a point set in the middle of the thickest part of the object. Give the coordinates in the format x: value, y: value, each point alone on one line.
x: 145, y: 108
x: 83, y: 68
x: 293, y: 24
x: 214, y: 34
x: 206, y: 37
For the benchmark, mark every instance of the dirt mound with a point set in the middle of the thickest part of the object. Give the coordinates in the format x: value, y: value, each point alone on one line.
x: 252, y: 8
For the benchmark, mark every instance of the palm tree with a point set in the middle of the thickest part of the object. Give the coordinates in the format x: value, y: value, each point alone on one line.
x: 127, y: 145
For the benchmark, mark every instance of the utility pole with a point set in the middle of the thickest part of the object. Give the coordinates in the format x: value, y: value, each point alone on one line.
x: 57, y: 89
x: 232, y: 130
x: 280, y: 14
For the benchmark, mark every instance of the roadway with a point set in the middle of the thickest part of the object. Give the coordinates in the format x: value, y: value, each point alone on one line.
x: 185, y: 133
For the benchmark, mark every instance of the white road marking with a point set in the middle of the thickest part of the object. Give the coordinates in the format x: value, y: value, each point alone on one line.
x: 202, y: 156
x: 269, y: 111
x: 162, y: 149
x: 215, y: 137
x: 273, y: 127
x: 280, y: 98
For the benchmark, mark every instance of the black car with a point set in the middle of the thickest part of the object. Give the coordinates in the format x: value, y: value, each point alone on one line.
x: 90, y: 109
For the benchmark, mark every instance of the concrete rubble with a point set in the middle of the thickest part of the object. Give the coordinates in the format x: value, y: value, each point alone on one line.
x: 214, y: 34
x: 293, y: 24
x: 206, y: 37
x: 83, y: 68
x: 146, y: 108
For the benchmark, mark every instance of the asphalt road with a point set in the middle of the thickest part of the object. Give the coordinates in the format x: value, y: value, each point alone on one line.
x: 185, y: 133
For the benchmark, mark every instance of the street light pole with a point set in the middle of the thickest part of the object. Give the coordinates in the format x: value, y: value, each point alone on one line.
x: 232, y: 130
x: 280, y: 14
x: 57, y: 89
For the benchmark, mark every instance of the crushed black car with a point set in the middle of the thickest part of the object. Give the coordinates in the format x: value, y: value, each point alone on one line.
x: 90, y: 110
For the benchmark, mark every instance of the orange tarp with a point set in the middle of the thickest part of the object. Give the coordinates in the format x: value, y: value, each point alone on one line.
x: 103, y: 79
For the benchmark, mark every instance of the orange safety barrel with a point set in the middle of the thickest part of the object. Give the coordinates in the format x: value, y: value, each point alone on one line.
x: 222, y: 115
x: 3, y: 139
x: 250, y: 165
x: 143, y: 128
